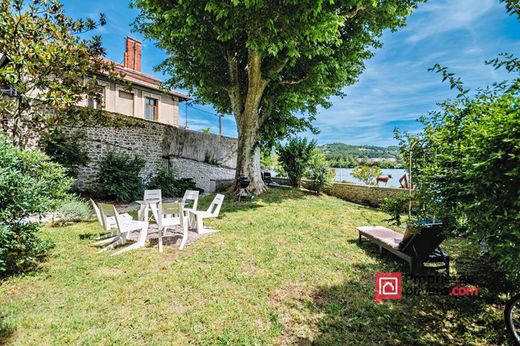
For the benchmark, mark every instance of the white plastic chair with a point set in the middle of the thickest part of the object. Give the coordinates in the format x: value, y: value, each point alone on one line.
x: 150, y: 200
x: 197, y: 217
x: 125, y: 226
x: 190, y: 195
x: 108, y: 223
x: 170, y: 215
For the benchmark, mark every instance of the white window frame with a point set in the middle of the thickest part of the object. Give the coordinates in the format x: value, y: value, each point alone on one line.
x: 153, y: 96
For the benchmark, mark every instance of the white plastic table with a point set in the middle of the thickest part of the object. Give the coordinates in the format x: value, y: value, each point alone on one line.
x: 145, y: 207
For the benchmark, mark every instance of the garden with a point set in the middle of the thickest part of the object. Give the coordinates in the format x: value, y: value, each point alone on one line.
x: 287, y: 265
x: 285, y: 268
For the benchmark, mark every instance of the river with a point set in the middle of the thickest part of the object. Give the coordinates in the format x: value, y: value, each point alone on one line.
x: 345, y: 174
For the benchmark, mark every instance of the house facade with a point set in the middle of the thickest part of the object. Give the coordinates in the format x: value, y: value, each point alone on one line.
x: 139, y: 94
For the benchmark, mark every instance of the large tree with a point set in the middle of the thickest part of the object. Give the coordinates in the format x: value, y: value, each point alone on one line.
x: 265, y: 61
x: 46, y: 68
x: 466, y: 162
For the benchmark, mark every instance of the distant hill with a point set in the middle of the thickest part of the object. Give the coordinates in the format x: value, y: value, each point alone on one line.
x: 343, y: 155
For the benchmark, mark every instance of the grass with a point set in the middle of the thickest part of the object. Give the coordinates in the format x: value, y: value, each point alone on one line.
x: 284, y: 269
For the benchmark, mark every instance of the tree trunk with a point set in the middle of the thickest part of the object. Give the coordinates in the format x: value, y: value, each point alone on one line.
x: 248, y: 157
x: 245, y: 104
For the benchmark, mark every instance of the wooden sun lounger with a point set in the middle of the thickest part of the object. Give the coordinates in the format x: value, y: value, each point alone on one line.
x: 415, y: 248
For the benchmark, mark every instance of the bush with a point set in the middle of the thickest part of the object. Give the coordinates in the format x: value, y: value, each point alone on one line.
x: 184, y: 184
x: 395, y: 207
x: 165, y: 178
x: 319, y: 172
x: 29, y: 184
x: 65, y: 149
x: 118, y: 177
x: 467, y: 166
x: 295, y: 157
x: 367, y: 174
x: 73, y: 210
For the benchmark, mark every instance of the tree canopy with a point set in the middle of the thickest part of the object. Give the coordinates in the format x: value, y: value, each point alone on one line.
x: 466, y: 166
x: 270, y: 63
x: 46, y: 68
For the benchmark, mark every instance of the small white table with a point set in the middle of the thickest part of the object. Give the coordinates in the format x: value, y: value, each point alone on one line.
x: 145, y: 207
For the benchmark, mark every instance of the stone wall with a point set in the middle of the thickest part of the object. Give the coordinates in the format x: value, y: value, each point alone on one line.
x: 360, y: 194
x: 221, y: 185
x: 193, y: 154
x: 203, y: 173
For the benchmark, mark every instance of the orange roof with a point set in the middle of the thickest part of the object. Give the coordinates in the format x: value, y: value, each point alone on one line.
x: 144, y: 80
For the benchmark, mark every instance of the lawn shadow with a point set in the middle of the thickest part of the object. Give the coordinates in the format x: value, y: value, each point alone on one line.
x: 272, y: 196
x: 465, y: 262
x: 349, y: 315
x: 6, y: 331
x: 428, y: 316
x: 89, y: 236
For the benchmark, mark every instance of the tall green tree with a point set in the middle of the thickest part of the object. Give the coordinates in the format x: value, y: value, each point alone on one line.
x: 319, y: 172
x: 466, y: 164
x: 512, y: 7
x: 295, y: 158
x: 265, y: 61
x: 46, y: 68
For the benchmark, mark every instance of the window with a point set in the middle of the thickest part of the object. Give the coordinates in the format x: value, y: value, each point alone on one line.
x: 125, y: 103
x: 9, y: 91
x: 151, y: 109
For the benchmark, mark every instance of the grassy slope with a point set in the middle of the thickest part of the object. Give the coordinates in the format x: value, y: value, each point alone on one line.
x: 284, y: 269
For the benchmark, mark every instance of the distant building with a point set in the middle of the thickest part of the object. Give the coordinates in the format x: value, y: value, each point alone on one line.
x: 144, y: 98
x: 382, y: 159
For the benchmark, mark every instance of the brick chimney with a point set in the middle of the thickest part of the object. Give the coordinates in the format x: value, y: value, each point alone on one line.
x: 133, y: 54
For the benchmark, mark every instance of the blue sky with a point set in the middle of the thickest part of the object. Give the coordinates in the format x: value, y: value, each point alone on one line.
x: 395, y: 88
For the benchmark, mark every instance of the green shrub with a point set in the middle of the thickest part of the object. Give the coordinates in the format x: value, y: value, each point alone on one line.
x: 395, y: 207
x: 73, y: 210
x: 184, y: 184
x: 319, y: 172
x: 21, y: 249
x: 118, y: 177
x: 269, y: 161
x: 165, y: 178
x: 30, y: 184
x: 295, y: 157
x: 466, y: 167
x: 367, y: 174
x: 66, y: 149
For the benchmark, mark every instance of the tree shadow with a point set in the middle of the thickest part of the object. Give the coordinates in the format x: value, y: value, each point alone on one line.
x: 6, y: 331
x: 372, y: 250
x: 349, y: 315
x: 274, y: 195
x: 89, y: 236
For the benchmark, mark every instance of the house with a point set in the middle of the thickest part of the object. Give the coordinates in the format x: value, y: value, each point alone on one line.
x: 139, y: 95
x: 382, y: 159
x: 6, y: 90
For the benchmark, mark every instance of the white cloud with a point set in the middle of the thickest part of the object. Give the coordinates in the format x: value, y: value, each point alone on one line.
x: 447, y: 15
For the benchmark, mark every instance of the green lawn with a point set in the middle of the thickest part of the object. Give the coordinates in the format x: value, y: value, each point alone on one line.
x: 283, y: 269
